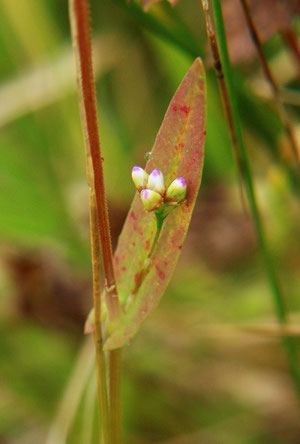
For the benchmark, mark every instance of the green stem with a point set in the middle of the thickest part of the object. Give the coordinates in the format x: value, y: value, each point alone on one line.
x: 102, y: 392
x: 159, y: 223
x: 281, y: 312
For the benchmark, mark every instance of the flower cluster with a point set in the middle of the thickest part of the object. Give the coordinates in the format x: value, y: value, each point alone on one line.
x: 154, y: 195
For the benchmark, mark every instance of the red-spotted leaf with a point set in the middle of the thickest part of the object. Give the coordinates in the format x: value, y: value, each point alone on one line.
x: 178, y: 152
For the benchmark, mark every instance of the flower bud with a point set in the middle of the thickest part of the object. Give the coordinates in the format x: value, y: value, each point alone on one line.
x: 156, y: 182
x: 151, y: 200
x: 139, y: 177
x: 177, y: 190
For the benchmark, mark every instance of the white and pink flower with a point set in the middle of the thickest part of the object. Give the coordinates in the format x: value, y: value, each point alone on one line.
x: 156, y: 182
x: 153, y: 192
x: 176, y: 192
x: 151, y: 199
x: 139, y: 177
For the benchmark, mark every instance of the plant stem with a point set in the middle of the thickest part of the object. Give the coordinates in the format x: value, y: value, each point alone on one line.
x: 278, y: 300
x: 159, y: 223
x: 147, y: 262
x: 100, y: 227
x: 211, y: 35
x: 271, y: 79
x: 79, y: 14
x: 100, y: 356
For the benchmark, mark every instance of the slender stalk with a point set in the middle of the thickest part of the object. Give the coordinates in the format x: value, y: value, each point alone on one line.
x: 79, y: 15
x: 159, y: 224
x: 147, y: 262
x: 281, y: 312
x: 100, y: 356
x: 100, y: 228
x: 224, y: 94
x: 271, y: 79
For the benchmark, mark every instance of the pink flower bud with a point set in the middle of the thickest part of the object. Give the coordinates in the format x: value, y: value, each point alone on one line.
x: 139, y: 177
x: 151, y: 200
x: 156, y: 182
x: 177, y: 190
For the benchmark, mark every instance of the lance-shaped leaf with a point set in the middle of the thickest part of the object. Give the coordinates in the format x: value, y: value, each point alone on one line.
x: 178, y: 152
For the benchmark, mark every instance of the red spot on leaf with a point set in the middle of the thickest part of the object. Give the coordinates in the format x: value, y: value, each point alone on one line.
x: 132, y: 215
x: 174, y: 244
x: 147, y: 244
x: 133, y: 243
x: 116, y: 259
x: 161, y: 274
x: 185, y: 109
x: 141, y: 233
x: 123, y: 268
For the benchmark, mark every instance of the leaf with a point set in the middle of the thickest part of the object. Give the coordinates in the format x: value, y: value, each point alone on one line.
x: 178, y: 151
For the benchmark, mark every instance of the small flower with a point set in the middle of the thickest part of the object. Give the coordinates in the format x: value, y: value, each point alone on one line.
x: 153, y: 192
x: 151, y: 200
x: 139, y: 177
x: 177, y: 190
x: 156, y: 182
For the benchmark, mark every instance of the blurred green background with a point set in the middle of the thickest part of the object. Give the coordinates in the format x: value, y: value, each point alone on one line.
x: 208, y: 365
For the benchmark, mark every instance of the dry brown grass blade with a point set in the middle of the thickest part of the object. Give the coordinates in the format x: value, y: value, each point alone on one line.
x: 50, y: 82
x: 269, y: 330
x: 72, y: 394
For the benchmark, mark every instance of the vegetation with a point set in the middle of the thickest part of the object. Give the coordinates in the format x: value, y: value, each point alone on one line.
x: 217, y: 360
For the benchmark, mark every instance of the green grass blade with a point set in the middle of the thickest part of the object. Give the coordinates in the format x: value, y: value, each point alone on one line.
x: 178, y: 36
x: 278, y: 299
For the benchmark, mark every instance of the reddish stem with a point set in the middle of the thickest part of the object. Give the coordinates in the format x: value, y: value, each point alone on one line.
x: 82, y: 42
